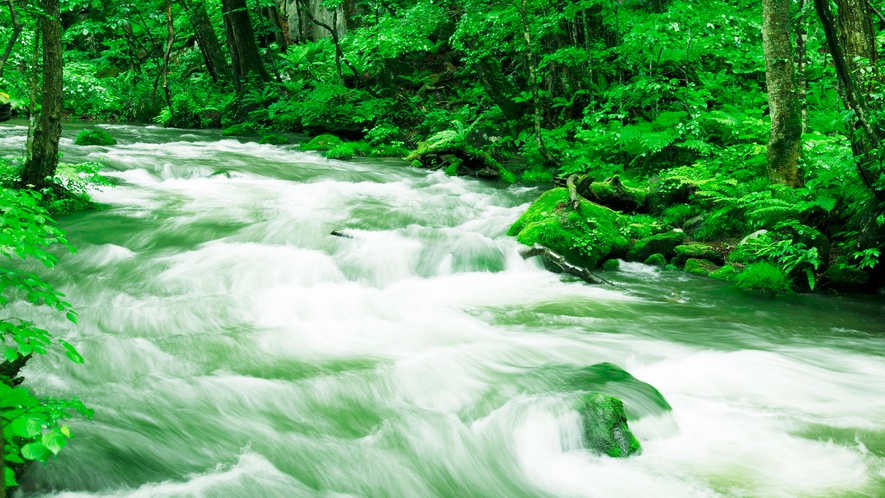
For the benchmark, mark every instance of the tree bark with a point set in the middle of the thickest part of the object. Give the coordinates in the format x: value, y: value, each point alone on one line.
x: 533, y: 82
x: 213, y: 55
x: 560, y: 261
x: 16, y: 30
x: 802, y: 61
x: 864, y: 138
x: 170, y: 27
x: 40, y: 168
x: 247, y: 66
x: 499, y: 88
x: 783, y: 101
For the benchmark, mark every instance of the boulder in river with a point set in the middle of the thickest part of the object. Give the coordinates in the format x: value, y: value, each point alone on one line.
x: 699, y: 267
x: 584, y: 236
x: 656, y: 259
x: 95, y: 137
x: 605, y: 426
x: 663, y: 243
x: 697, y: 251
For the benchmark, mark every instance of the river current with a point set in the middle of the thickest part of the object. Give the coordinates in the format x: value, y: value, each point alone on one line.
x: 234, y: 348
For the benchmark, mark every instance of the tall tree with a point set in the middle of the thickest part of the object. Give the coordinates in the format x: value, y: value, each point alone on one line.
x: 210, y: 47
x: 16, y: 30
x: 783, y: 100
x: 247, y: 64
x: 43, y: 158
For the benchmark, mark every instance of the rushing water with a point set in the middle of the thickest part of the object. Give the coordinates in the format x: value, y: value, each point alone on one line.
x: 235, y: 348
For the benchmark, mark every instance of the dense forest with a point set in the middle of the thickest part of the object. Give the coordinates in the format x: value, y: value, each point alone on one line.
x: 737, y: 139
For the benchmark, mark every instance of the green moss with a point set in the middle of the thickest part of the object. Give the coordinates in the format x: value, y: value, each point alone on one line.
x: 452, y: 170
x: 388, y: 151
x: 536, y: 174
x: 322, y: 142
x: 697, y: 251
x: 670, y: 267
x: 95, y: 137
x: 663, y: 243
x: 764, y: 277
x: 678, y: 214
x: 611, y: 264
x: 274, y: 140
x: 240, y: 130
x: 643, y: 226
x: 741, y: 256
x: 416, y: 164
x: 728, y: 273
x: 656, y: 260
x: 699, y: 267
x: 846, y: 277
x: 618, y: 195
x: 585, y: 237
x: 605, y: 426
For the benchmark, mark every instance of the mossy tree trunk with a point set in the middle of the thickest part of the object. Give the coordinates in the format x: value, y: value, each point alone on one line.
x: 16, y: 30
x: 783, y: 100
x: 210, y: 47
x: 247, y: 66
x: 43, y: 157
x: 499, y: 88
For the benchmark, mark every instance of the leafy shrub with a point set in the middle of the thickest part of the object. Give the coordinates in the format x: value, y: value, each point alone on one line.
x: 322, y: 142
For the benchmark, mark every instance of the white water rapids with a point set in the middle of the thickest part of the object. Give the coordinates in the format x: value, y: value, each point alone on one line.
x: 234, y: 348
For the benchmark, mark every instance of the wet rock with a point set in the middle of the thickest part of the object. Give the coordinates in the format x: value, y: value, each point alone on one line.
x: 699, y: 267
x: 697, y: 251
x: 611, y: 264
x: 322, y: 142
x: 5, y: 112
x: 656, y: 260
x: 728, y: 273
x: 584, y: 236
x: 605, y: 426
x: 843, y: 277
x: 663, y: 243
x: 694, y: 225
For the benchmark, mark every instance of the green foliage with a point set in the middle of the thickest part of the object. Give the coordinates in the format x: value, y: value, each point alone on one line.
x: 764, y: 277
x: 322, y: 142
x: 95, y: 137
x: 240, y: 130
x: 786, y: 254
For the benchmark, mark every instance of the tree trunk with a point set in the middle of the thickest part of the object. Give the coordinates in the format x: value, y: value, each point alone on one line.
x: 213, y: 55
x: 802, y: 61
x: 40, y: 168
x: 783, y: 102
x: 170, y: 40
x: 16, y: 30
x: 533, y: 82
x: 247, y: 65
x: 499, y: 88
x: 863, y: 138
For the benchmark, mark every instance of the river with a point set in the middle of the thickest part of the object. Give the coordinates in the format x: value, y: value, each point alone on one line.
x: 234, y: 348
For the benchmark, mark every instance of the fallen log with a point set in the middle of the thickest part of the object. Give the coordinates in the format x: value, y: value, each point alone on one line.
x: 562, y: 263
x: 343, y: 235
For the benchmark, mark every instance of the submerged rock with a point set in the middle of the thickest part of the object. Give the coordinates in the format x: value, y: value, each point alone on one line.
x: 605, y: 426
x: 699, y: 267
x: 584, y: 236
x: 95, y: 137
x: 663, y: 243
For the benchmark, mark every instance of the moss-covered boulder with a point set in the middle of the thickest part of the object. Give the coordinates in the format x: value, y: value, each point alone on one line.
x: 605, y: 426
x: 322, y: 142
x: 95, y: 137
x: 240, y: 130
x: 656, y: 260
x: 843, y: 277
x: 698, y: 251
x: 699, y: 267
x: 663, y: 243
x: 274, y: 140
x: 729, y: 273
x: 611, y: 264
x: 665, y: 192
x: 584, y: 236
x: 448, y: 152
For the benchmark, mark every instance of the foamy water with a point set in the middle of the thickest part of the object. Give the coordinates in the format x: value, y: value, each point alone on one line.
x: 235, y: 348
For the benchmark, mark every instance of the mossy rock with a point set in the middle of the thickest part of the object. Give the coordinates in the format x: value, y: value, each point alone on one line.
x: 698, y: 251
x: 699, y: 267
x: 615, y: 194
x: 764, y: 277
x: 348, y: 150
x: 388, y: 151
x: 95, y: 137
x: 846, y: 278
x: 663, y: 243
x: 274, y: 140
x: 605, y: 426
x: 656, y: 260
x: 729, y: 273
x: 240, y: 130
x: 741, y: 256
x: 473, y: 161
x: 611, y: 264
x: 584, y: 237
x: 322, y: 142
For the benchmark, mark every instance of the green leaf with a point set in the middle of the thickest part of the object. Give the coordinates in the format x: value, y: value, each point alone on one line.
x: 65, y: 430
x: 54, y: 442
x: 26, y: 427
x: 36, y: 451
x: 11, y: 354
x: 9, y: 477
x: 71, y: 315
